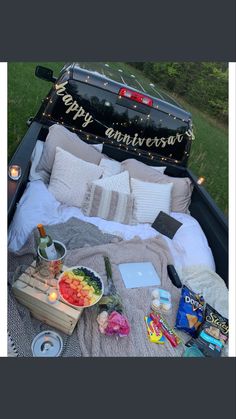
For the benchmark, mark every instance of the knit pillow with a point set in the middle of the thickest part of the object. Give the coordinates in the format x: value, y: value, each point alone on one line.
x: 70, y: 176
x: 59, y: 136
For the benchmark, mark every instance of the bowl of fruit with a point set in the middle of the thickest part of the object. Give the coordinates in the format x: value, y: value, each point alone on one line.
x: 80, y: 287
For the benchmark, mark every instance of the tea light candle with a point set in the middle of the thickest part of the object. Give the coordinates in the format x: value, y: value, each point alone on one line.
x: 14, y: 172
x: 53, y: 297
x: 201, y: 180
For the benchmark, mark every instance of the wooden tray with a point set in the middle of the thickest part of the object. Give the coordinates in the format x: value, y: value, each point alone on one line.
x: 59, y: 315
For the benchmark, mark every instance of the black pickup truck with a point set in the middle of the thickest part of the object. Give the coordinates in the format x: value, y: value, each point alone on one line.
x: 130, y: 124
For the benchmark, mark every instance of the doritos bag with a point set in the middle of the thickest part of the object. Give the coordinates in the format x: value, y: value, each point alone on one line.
x: 190, y: 312
x: 212, y: 334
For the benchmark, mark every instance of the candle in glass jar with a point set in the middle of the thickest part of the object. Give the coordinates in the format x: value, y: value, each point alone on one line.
x: 53, y: 297
x: 14, y: 172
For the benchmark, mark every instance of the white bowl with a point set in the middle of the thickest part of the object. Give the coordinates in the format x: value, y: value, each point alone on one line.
x: 88, y: 269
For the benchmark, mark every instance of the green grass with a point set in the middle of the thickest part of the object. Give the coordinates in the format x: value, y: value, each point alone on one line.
x: 25, y: 93
x: 209, y: 154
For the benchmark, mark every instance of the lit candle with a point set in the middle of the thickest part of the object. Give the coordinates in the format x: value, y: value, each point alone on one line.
x: 53, y: 297
x: 14, y: 172
x: 201, y: 180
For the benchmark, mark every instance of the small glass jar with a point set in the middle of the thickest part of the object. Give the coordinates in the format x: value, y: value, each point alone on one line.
x: 14, y: 171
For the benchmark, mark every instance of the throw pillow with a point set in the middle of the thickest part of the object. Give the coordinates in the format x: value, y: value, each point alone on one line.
x: 69, y: 178
x: 107, y: 204
x: 119, y: 183
x: 110, y: 167
x: 59, y: 136
x: 182, y: 187
x: 160, y: 169
x: 36, y: 155
x: 150, y: 199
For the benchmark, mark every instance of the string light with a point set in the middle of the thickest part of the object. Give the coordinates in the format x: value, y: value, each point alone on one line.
x: 200, y: 180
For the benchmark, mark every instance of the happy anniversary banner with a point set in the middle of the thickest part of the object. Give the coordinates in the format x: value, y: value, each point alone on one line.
x: 77, y: 111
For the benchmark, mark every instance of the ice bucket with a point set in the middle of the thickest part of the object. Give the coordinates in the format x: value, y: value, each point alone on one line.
x: 52, y: 268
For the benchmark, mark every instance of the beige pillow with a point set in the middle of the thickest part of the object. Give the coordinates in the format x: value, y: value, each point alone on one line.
x: 59, y: 136
x: 70, y: 176
x: 182, y: 187
x: 109, y: 205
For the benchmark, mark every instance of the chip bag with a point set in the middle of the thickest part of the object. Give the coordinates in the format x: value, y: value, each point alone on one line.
x: 212, y: 334
x: 190, y: 312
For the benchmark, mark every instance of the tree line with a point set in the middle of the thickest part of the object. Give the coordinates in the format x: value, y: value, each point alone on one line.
x: 203, y: 84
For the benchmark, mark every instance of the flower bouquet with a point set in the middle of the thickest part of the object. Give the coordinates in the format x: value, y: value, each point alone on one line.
x: 111, y: 319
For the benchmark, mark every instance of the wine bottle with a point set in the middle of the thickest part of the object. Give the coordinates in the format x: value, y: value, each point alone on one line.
x: 46, y: 245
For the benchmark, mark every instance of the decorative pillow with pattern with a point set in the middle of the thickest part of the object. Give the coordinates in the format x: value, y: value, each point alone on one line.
x: 108, y: 204
x: 150, y: 199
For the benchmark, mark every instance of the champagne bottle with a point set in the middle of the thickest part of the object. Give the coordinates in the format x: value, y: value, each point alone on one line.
x: 46, y: 245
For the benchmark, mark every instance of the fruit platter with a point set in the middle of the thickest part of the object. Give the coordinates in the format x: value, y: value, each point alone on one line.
x: 80, y: 286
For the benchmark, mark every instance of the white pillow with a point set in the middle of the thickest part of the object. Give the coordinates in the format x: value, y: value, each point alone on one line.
x: 160, y: 169
x: 150, y: 199
x: 35, y: 157
x: 97, y: 147
x: 69, y: 177
x: 119, y: 183
x: 110, y: 167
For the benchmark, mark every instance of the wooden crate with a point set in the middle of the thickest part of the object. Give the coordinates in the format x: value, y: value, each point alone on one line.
x: 59, y: 315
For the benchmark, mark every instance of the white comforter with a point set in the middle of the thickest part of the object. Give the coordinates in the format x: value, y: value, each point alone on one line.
x: 37, y: 205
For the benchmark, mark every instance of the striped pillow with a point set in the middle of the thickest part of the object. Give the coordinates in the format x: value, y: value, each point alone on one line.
x: 150, y: 199
x: 109, y: 205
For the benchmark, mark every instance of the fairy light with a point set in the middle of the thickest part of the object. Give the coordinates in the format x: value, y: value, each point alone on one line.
x: 200, y: 180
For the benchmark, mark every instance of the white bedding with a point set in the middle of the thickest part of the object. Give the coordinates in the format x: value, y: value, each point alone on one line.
x: 188, y: 247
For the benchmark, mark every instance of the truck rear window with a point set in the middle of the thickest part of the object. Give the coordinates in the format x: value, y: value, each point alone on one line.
x: 122, y: 120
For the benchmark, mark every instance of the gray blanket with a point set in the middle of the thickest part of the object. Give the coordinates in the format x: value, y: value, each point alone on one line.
x: 88, y: 249
x: 87, y: 245
x: 22, y: 327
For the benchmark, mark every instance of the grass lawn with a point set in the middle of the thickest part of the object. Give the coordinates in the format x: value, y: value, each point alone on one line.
x: 209, y: 155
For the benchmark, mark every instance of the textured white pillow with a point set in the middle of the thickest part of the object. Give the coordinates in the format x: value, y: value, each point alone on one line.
x: 97, y: 147
x: 160, y: 169
x: 69, y: 177
x: 150, y: 199
x: 36, y: 156
x: 119, y: 183
x: 110, y: 167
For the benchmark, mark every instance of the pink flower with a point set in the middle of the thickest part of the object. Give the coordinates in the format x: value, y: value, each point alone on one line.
x: 117, y: 325
x: 102, y: 320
